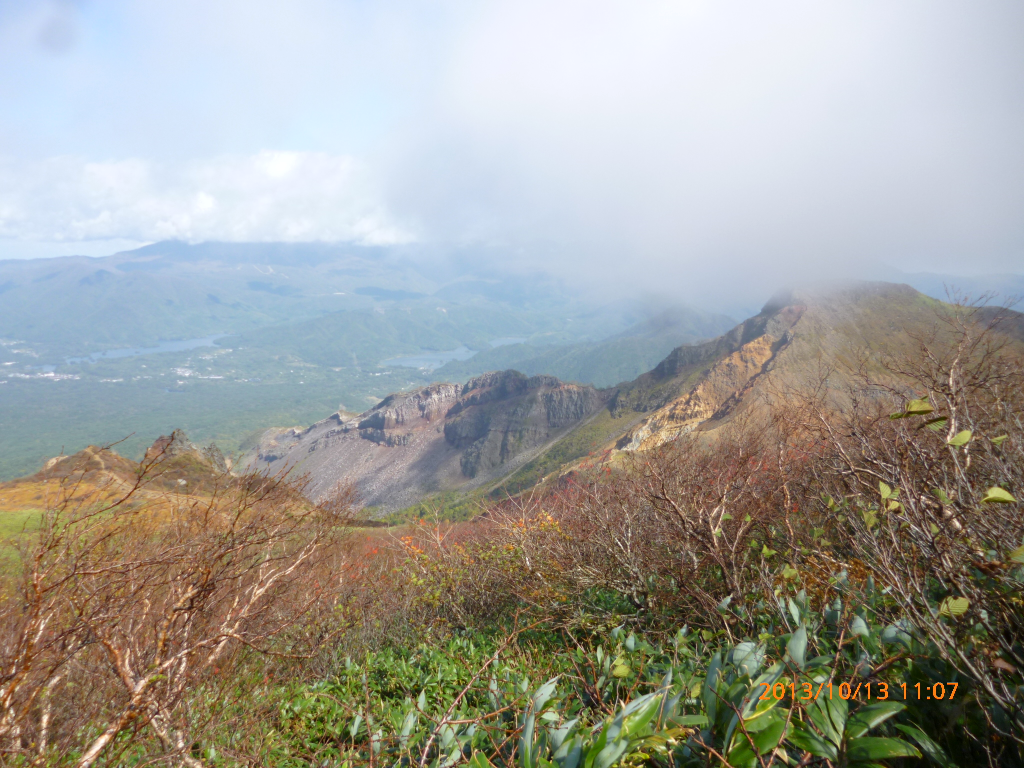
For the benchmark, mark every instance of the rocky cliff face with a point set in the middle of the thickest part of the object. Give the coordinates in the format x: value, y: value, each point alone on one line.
x: 723, y: 384
x: 436, y: 438
x: 426, y: 404
x: 501, y: 415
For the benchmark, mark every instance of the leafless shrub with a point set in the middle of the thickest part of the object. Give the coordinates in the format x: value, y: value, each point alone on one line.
x: 122, y: 608
x: 913, y: 493
x: 726, y: 505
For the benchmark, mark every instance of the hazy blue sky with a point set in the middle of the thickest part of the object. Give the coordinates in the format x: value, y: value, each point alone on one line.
x: 718, y: 138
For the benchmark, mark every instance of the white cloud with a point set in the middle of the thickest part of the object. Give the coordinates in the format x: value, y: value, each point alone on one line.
x: 269, y: 196
x: 679, y: 143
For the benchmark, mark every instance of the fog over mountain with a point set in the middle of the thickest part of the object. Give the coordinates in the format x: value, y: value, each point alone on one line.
x: 704, y: 149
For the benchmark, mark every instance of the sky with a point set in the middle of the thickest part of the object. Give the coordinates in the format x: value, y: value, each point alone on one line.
x: 625, y: 142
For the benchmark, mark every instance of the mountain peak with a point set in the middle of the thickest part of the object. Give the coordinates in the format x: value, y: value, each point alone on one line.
x: 833, y: 291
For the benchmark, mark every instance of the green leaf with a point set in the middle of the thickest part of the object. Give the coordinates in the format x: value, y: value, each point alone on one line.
x: 914, y: 408
x: 838, y: 710
x: 797, y: 647
x: 479, y: 761
x: 742, y: 756
x: 918, y: 407
x: 884, y: 489
x: 767, y: 552
x: 960, y: 438
x: 596, y: 747
x: 638, y: 714
x: 354, y: 728
x: 748, y: 745
x: 859, y: 627
x: 802, y: 737
x: 933, y: 751
x: 769, y: 736
x: 621, y: 670
x: 540, y: 698
x: 1017, y: 555
x: 689, y: 721
x: 610, y: 755
x: 789, y: 573
x: 747, y: 658
x: 870, y: 517
x: 570, y: 753
x: 709, y: 695
x: 935, y: 425
x: 996, y: 495
x: 997, y: 441
x: 877, y: 748
x: 954, y: 607
x: 795, y: 611
x: 870, y: 717
x: 897, y: 633
x: 753, y: 701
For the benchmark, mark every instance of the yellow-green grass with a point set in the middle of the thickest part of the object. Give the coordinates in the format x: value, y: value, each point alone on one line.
x: 14, y: 526
x: 19, y: 522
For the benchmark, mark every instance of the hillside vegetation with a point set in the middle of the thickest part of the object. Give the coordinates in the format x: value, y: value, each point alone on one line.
x: 835, y: 578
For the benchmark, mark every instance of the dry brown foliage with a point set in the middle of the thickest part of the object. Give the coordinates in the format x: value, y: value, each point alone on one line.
x: 937, y: 539
x: 121, y: 608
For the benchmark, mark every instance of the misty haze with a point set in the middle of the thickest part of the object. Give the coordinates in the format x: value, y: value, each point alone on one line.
x: 511, y: 384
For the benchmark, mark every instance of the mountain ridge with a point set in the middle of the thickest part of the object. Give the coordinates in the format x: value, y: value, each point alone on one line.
x: 503, y: 431
x: 436, y: 438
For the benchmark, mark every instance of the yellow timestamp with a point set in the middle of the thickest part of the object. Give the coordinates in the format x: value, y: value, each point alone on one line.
x: 858, y: 690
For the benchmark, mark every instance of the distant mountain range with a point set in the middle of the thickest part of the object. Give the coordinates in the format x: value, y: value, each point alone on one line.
x: 268, y: 334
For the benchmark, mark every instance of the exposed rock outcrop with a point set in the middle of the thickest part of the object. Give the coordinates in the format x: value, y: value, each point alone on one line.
x: 435, y: 438
x: 172, y: 464
x: 177, y: 445
x: 499, y: 425
x: 425, y: 404
x: 722, y: 385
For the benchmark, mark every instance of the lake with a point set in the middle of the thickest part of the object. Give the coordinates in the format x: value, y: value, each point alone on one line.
x: 431, y: 360
x: 506, y: 341
x: 163, y: 346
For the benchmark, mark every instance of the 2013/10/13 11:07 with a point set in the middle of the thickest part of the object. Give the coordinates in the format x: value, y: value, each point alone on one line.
x: 877, y: 691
